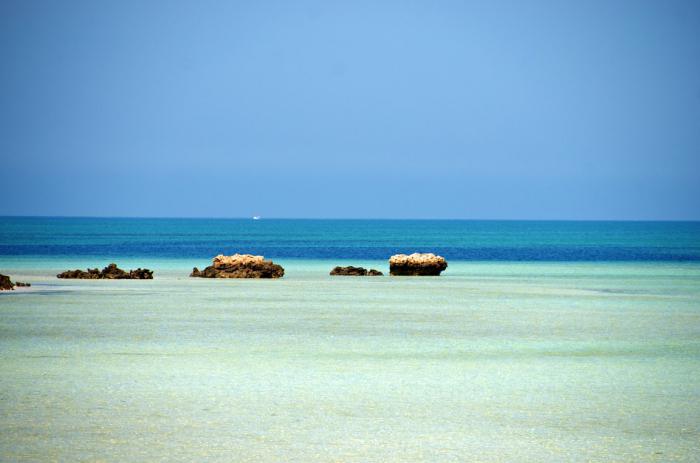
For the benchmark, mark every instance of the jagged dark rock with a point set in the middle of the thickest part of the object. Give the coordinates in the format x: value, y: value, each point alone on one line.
x: 91, y: 274
x: 111, y: 272
x: 355, y: 271
x: 349, y: 271
x: 417, y: 265
x: 240, y: 266
x: 21, y: 284
x: 5, y: 283
x: 141, y: 274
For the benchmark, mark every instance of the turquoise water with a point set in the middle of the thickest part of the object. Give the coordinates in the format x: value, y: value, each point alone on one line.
x: 351, y: 239
x: 496, y: 360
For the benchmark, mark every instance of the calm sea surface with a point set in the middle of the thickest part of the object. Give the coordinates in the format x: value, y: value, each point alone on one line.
x: 543, y: 341
x: 363, y: 239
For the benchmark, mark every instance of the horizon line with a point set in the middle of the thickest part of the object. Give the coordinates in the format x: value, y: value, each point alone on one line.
x: 337, y: 218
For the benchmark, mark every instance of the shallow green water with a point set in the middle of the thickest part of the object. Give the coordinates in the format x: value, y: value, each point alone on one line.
x: 490, y: 362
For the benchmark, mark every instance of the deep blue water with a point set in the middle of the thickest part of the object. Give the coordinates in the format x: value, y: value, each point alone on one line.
x: 366, y: 239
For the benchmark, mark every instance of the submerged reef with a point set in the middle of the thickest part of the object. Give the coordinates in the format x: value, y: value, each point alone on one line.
x: 355, y: 271
x: 416, y: 264
x: 111, y: 272
x: 240, y: 266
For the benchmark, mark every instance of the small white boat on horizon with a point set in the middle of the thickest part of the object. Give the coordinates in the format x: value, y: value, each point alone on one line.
x: 256, y: 217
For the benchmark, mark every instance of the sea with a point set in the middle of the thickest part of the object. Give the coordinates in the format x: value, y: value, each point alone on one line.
x: 543, y: 341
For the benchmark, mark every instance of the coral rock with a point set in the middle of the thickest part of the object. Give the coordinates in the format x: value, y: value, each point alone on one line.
x: 355, y: 271
x: 417, y: 264
x: 240, y: 266
x: 111, y: 272
x: 5, y: 283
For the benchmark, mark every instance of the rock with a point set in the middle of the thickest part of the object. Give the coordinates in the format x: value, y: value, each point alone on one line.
x: 240, y: 266
x: 355, y: 271
x: 110, y: 272
x: 141, y: 274
x: 5, y: 283
x: 349, y: 271
x: 91, y: 274
x: 417, y: 264
x: 20, y: 284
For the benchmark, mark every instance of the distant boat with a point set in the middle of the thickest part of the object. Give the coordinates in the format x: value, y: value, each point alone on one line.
x: 256, y: 217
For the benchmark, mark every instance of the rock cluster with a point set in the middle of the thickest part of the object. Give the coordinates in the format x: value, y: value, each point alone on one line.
x: 240, y: 266
x: 111, y: 272
x: 417, y: 264
x: 5, y: 283
x: 355, y: 271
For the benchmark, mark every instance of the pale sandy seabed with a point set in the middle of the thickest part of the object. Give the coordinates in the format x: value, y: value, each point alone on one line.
x: 491, y: 362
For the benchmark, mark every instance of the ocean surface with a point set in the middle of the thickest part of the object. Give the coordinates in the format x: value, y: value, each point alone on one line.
x: 542, y: 341
x: 351, y: 239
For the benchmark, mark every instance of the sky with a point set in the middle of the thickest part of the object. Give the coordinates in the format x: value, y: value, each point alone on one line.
x: 358, y: 109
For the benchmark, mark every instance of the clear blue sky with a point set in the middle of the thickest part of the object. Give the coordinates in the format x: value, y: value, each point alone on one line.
x: 431, y: 109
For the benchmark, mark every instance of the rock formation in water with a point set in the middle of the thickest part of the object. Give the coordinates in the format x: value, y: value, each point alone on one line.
x: 355, y: 271
x: 240, y: 266
x: 20, y: 284
x: 417, y: 264
x: 111, y: 272
x: 5, y: 283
